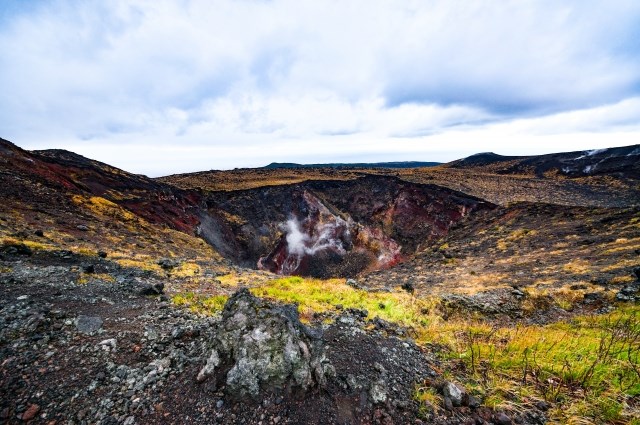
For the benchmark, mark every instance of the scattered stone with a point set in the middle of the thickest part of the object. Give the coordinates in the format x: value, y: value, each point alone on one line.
x: 168, y: 263
x: 88, y: 324
x: 89, y: 269
x: 354, y: 283
x: 448, y: 404
x: 502, y: 419
x: 630, y: 289
x: 628, y: 293
x: 591, y: 297
x: 408, y: 286
x: 517, y: 293
x: 454, y: 393
x: 361, y: 313
x: 31, y: 412
x: 82, y: 227
x: 102, y: 254
x: 108, y: 344
x: 17, y: 249
x: 543, y: 405
x: 156, y: 288
x: 66, y: 254
x: 623, y: 297
x: 473, y: 402
x: 22, y: 297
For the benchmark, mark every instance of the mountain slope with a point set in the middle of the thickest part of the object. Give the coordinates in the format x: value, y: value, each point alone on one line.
x: 621, y: 162
x: 463, y: 304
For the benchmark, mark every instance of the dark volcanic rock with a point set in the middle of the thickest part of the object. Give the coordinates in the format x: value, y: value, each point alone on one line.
x: 263, y: 346
x: 502, y: 419
x: 408, y: 286
x: 156, y: 288
x: 168, y: 264
x: 17, y: 249
x: 628, y: 293
x: 88, y: 324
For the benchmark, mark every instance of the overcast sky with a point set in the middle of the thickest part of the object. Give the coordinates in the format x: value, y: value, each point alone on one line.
x: 166, y: 86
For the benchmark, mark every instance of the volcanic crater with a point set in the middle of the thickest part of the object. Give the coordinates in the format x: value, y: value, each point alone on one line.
x: 332, y: 228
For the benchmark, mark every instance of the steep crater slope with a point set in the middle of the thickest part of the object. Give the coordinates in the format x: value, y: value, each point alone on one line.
x: 37, y: 177
x: 332, y: 228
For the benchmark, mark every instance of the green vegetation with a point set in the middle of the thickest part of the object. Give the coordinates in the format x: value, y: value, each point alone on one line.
x: 428, y: 398
x: 202, y: 304
x: 317, y: 296
x: 34, y: 245
x: 587, y: 367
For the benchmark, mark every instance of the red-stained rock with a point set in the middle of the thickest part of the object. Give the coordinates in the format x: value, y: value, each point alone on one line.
x: 31, y: 412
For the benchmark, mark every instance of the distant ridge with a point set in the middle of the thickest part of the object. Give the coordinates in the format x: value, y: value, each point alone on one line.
x: 619, y: 161
x: 480, y: 159
x: 401, y: 164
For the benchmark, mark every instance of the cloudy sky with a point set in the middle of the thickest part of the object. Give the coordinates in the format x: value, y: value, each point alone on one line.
x: 167, y: 86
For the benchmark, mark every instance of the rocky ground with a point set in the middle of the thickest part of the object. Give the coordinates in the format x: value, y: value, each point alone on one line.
x: 119, y: 353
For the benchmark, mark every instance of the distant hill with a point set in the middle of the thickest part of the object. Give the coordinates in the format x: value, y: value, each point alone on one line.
x: 622, y: 162
x: 481, y: 159
x: 401, y: 164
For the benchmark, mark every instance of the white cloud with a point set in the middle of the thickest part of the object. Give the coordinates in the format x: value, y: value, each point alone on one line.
x: 173, y: 85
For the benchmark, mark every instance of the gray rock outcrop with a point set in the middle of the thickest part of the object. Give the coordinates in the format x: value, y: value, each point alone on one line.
x: 259, y: 345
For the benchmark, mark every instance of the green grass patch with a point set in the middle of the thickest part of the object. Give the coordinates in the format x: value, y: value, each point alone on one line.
x: 201, y: 304
x: 317, y: 296
x: 589, y: 365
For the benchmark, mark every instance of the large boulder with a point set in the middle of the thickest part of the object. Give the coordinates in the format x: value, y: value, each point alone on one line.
x: 263, y: 346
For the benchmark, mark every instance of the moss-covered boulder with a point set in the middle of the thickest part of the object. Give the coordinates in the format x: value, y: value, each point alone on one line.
x: 262, y: 346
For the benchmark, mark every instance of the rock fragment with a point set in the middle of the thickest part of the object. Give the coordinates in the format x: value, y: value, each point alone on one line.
x: 31, y: 412
x: 155, y: 288
x: 502, y: 419
x: 454, y: 393
x: 168, y: 263
x: 88, y: 324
